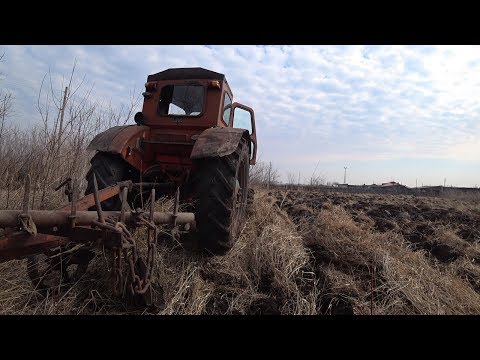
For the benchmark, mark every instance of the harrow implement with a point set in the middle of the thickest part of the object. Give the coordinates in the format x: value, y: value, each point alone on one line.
x: 54, y: 240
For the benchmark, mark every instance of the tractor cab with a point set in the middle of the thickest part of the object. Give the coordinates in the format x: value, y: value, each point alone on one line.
x: 187, y: 97
x: 191, y: 100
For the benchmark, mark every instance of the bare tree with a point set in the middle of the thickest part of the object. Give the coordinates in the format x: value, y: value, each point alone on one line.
x: 55, y: 147
x: 135, y: 99
x: 272, y: 175
x: 263, y: 174
x: 6, y: 107
x: 317, y: 180
x: 110, y: 116
x: 291, y: 179
x: 257, y: 174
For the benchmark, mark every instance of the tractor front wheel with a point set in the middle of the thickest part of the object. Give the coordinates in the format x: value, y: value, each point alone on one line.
x: 108, y: 169
x: 221, y: 191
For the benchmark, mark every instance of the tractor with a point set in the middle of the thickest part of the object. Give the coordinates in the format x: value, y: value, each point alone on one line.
x: 190, y: 136
x: 190, y: 141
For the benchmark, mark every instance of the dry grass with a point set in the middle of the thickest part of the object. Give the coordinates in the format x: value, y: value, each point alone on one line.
x: 314, y: 258
x: 265, y: 270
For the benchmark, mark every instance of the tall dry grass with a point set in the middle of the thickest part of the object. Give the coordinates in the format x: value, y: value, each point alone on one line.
x: 321, y: 263
x: 267, y: 271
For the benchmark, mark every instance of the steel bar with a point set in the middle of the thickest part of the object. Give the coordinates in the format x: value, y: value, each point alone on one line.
x: 89, y: 200
x: 51, y: 218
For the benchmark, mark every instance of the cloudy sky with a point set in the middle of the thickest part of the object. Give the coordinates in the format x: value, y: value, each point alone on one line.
x: 401, y: 113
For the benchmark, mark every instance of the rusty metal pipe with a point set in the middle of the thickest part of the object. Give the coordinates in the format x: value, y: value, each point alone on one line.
x: 46, y: 218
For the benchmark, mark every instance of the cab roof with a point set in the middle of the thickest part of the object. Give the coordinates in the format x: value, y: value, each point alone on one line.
x: 186, y: 74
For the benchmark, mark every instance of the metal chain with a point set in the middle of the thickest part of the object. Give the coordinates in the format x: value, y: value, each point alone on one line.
x: 138, y: 282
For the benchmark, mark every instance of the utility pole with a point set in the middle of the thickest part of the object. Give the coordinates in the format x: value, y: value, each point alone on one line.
x: 444, y: 181
x: 345, y: 175
x: 416, y: 184
x: 298, y: 184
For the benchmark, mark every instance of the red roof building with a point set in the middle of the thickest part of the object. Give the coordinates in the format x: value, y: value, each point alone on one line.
x: 391, y: 183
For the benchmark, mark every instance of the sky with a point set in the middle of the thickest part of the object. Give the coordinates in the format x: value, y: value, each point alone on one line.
x: 388, y: 113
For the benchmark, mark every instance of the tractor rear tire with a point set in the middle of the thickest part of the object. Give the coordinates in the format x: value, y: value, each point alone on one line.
x: 221, y: 192
x: 109, y: 169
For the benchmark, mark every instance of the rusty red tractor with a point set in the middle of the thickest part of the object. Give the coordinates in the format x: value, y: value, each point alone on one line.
x: 190, y: 141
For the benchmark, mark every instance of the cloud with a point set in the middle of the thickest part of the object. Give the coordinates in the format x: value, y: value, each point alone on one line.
x: 338, y: 103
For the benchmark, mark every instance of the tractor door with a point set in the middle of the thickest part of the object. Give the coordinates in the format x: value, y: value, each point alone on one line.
x: 243, y: 117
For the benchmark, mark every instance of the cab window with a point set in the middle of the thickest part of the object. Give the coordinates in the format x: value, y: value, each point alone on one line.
x: 227, y: 108
x: 181, y: 100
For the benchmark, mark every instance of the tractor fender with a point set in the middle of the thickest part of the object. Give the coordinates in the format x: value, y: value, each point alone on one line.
x: 115, y: 139
x: 217, y: 142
